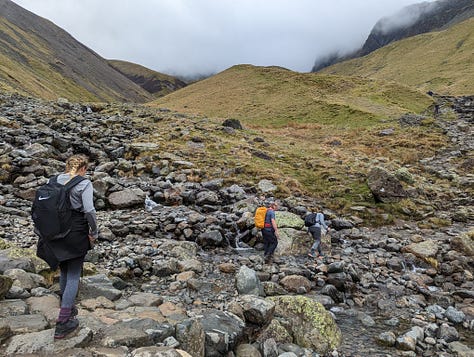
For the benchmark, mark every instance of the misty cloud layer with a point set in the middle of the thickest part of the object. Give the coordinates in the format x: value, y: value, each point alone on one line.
x: 189, y: 37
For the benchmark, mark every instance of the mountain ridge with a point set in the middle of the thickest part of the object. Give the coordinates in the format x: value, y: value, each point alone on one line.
x: 435, y: 61
x: 156, y: 83
x: 412, y: 20
x: 41, y: 59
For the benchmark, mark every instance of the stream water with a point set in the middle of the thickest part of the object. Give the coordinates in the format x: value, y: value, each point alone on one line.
x: 360, y: 340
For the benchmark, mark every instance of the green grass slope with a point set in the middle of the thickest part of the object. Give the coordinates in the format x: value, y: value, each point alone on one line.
x: 40, y: 59
x: 276, y: 97
x: 438, y: 61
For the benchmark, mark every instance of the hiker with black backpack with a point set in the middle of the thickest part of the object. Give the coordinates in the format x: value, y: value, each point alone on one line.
x: 65, y: 221
x: 315, y: 222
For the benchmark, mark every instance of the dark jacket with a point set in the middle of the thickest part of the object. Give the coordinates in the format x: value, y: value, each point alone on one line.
x: 74, y: 245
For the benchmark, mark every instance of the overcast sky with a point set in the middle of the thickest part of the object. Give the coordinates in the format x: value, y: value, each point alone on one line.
x: 192, y: 37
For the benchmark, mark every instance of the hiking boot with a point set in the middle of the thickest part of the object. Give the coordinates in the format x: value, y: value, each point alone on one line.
x: 311, y: 255
x: 64, y: 328
x: 74, y: 311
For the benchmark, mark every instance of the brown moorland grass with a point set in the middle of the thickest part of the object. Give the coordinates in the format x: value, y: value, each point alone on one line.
x: 318, y: 135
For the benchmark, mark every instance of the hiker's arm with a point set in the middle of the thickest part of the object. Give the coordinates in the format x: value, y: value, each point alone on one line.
x: 321, y: 220
x: 275, y: 228
x: 89, y: 210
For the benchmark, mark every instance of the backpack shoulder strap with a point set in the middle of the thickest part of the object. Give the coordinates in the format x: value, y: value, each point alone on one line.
x: 73, y: 182
x: 53, y: 179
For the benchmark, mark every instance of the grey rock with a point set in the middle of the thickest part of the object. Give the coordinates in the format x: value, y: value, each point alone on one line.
x: 247, y: 282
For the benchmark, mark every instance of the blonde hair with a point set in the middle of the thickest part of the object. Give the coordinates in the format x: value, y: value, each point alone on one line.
x: 76, y: 162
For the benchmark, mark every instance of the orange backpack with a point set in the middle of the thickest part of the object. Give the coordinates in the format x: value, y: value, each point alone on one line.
x: 259, y: 218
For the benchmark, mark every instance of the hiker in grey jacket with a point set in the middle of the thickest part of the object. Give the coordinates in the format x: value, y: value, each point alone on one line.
x: 69, y: 252
x: 315, y: 231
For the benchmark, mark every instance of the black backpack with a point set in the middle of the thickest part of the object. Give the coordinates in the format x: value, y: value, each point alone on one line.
x: 310, y: 220
x: 51, y: 210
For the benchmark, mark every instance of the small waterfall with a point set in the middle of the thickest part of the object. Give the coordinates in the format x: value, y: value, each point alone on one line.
x: 239, y: 245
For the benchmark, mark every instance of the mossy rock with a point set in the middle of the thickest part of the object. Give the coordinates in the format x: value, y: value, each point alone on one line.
x: 464, y: 243
x: 276, y: 331
x: 13, y: 252
x: 299, y: 242
x: 312, y: 326
x: 286, y: 219
x: 5, y: 284
x: 293, y: 242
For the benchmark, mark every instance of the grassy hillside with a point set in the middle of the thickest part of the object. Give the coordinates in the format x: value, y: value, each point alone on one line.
x: 275, y: 97
x: 309, y: 133
x: 438, y: 61
x: 21, y: 71
x: 40, y: 59
x: 156, y: 83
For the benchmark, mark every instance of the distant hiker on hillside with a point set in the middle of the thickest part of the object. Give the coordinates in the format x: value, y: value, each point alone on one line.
x: 270, y: 232
x: 315, y: 222
x: 68, y: 252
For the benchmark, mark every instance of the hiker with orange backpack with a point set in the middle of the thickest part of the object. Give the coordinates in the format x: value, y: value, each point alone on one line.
x: 270, y: 232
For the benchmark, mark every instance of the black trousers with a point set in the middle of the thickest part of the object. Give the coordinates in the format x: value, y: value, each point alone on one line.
x: 270, y: 242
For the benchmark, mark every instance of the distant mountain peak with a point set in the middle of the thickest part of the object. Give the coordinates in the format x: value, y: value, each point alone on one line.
x: 409, y: 21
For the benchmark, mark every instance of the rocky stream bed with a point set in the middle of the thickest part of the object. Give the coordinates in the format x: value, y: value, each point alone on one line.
x: 185, y: 276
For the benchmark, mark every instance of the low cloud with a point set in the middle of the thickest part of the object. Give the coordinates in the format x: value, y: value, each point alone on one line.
x: 404, y: 17
x: 187, y: 37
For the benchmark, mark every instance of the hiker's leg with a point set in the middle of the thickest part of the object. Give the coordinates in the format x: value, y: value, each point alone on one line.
x: 266, y: 245
x: 71, y: 286
x: 317, y: 240
x: 273, y: 244
x: 63, y: 276
x: 314, y: 247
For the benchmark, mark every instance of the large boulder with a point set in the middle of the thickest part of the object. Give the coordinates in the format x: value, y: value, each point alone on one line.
x: 293, y: 242
x: 247, y: 282
x: 224, y: 332
x: 385, y: 187
x: 311, y: 325
x: 127, y: 198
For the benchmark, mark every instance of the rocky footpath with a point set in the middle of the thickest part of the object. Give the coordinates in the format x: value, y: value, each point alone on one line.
x: 178, y: 269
